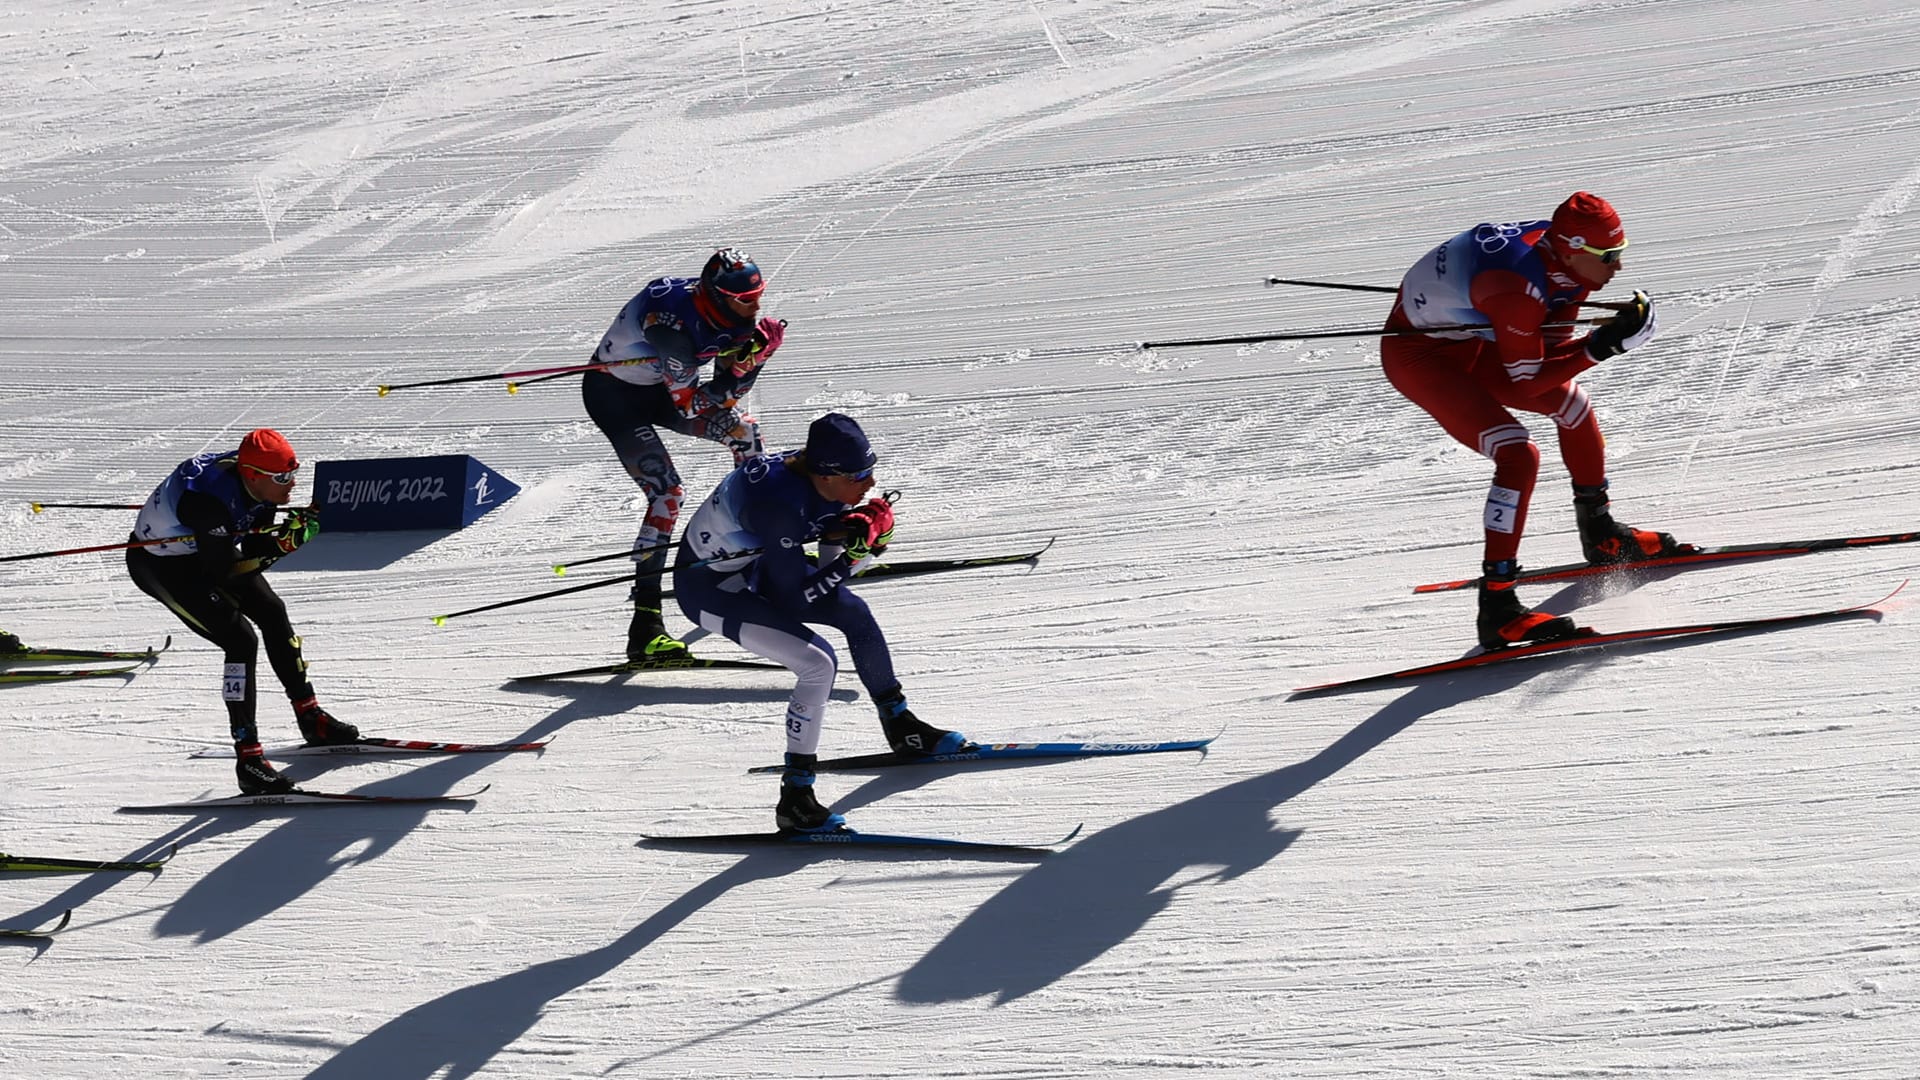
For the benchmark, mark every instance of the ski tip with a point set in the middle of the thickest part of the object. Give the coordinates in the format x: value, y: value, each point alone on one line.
x: 1069, y: 837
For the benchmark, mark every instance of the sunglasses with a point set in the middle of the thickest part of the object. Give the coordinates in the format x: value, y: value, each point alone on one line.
x: 743, y: 297
x: 1610, y: 256
x: 276, y: 477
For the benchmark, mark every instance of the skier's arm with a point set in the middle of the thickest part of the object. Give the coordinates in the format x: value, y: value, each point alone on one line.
x: 214, y: 542
x: 783, y: 575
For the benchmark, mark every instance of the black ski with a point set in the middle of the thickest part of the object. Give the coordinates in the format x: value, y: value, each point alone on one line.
x: 39, y: 675
x: 1595, y: 641
x: 48, y: 931
x: 299, y: 797
x: 370, y: 745
x: 846, y: 837
x: 35, y: 656
x: 30, y: 865
x: 1000, y: 752
x: 628, y: 667
x: 1699, y: 556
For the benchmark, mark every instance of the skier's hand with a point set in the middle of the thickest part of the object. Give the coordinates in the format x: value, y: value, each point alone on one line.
x: 1633, y: 327
x: 299, y: 526
x: 868, y: 529
x: 767, y: 336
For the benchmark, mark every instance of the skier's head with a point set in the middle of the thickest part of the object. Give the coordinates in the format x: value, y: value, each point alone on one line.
x: 267, y: 466
x: 839, y: 458
x: 1586, y: 238
x: 729, y: 289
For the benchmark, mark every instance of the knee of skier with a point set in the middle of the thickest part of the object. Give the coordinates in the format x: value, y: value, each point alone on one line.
x: 816, y: 667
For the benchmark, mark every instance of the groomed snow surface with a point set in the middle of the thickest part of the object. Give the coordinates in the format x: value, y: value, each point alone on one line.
x: 1693, y: 861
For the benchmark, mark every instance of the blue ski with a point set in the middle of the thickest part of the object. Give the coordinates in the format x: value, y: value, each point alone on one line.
x: 851, y: 838
x: 1001, y: 752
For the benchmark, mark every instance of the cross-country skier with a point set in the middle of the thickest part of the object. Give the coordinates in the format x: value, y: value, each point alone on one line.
x: 760, y: 591
x: 214, y: 582
x: 675, y: 327
x: 1514, y: 277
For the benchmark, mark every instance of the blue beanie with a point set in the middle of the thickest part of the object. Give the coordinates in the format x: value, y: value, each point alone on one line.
x: 836, y: 445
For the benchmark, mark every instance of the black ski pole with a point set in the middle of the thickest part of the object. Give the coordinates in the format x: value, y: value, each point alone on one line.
x: 440, y: 620
x: 1306, y: 335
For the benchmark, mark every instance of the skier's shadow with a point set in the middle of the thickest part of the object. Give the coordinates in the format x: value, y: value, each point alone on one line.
x: 314, y: 843
x: 1071, y: 909
x: 456, y: 1035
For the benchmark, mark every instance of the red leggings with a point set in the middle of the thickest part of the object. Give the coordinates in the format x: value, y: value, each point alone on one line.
x: 1466, y: 390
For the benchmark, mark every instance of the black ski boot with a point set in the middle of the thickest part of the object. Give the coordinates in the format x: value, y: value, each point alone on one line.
x: 10, y: 644
x: 1604, y: 540
x: 1505, y: 621
x: 908, y: 734
x: 647, y: 637
x: 318, y: 726
x: 256, y: 775
x: 799, y: 810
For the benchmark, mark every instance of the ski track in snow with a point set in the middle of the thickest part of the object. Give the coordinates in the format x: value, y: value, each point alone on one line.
x: 1688, y: 861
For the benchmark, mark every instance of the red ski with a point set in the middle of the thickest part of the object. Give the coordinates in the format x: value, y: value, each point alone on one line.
x: 1595, y: 641
x: 1697, y: 557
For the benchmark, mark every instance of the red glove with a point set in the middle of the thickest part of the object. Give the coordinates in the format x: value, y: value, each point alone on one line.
x: 767, y: 336
x: 869, y: 528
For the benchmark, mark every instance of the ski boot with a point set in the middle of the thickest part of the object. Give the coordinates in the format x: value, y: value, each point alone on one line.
x: 1604, y: 540
x: 799, y: 810
x: 1505, y: 621
x: 257, y: 776
x: 318, y: 726
x: 908, y: 734
x: 649, y: 642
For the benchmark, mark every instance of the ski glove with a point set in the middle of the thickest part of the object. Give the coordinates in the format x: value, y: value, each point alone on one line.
x: 300, y: 525
x: 868, y: 529
x: 767, y: 336
x: 1632, y: 327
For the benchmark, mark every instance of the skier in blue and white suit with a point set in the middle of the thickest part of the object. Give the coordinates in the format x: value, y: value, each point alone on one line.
x: 658, y: 347
x: 764, y: 596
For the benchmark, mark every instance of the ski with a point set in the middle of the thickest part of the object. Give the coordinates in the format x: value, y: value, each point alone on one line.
x: 845, y: 837
x: 34, y: 656
x: 31, y: 865
x: 1001, y: 752
x: 11, y: 678
x: 371, y: 745
x: 1699, y: 556
x: 299, y: 797
x: 1595, y: 641
x: 935, y: 566
x: 65, y: 918
x: 628, y: 667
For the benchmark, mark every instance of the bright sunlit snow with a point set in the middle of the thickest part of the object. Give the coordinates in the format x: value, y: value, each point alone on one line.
x: 1688, y: 861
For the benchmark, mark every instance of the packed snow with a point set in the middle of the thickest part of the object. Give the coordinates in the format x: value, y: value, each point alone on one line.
x: 1685, y: 861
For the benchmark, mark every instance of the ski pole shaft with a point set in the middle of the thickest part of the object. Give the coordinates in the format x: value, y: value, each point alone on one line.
x: 440, y: 620
x: 511, y: 387
x: 1609, y: 305
x: 1306, y: 335
x: 562, y: 568
x: 98, y: 547
x: 39, y: 507
x: 113, y: 547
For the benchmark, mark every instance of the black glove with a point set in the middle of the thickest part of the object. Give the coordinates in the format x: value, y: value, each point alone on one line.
x: 1635, y: 325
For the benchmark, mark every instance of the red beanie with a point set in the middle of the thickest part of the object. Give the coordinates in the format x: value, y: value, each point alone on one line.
x: 1589, y: 220
x: 268, y: 451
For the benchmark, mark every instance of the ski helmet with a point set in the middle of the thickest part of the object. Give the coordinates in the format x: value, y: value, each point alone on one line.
x: 731, y: 273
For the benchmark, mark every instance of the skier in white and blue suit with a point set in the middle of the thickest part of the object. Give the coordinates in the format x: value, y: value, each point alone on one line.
x: 764, y: 597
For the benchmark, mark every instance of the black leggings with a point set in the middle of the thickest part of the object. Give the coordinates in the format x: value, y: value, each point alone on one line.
x: 220, y: 612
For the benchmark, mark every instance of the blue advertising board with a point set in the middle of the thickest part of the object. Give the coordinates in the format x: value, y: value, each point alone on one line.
x: 448, y: 491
